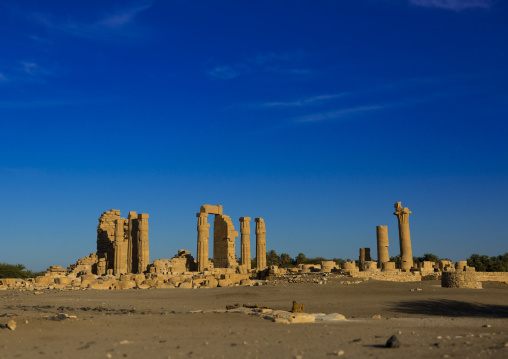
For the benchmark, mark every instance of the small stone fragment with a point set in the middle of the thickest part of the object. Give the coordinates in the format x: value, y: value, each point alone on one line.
x: 11, y: 325
x: 393, y: 342
x: 376, y: 316
x: 486, y: 326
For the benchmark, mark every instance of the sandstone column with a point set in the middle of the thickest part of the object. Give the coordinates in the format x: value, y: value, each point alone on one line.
x: 245, y: 241
x: 120, y: 245
x: 364, y: 255
x: 406, y: 255
x: 203, y: 235
x: 382, y: 245
x: 260, y: 244
x: 132, y: 241
x: 143, y: 248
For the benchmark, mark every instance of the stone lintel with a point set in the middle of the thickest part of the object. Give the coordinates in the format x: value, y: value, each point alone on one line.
x: 212, y: 209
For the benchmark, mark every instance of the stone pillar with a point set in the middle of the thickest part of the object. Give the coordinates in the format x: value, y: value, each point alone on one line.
x: 101, y: 266
x: 203, y: 235
x: 406, y: 254
x: 245, y: 241
x: 364, y: 255
x: 382, y: 245
x: 260, y: 244
x: 120, y: 245
x: 132, y: 242
x: 143, y: 248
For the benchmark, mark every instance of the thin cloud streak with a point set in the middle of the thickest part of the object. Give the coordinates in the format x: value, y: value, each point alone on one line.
x: 106, y: 25
x: 264, y: 62
x: 303, y: 102
x: 456, y: 5
x: 349, y: 112
x: 331, y: 115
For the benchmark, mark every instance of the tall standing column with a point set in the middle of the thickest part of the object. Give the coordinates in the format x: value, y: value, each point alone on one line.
x: 143, y: 248
x: 245, y: 241
x: 406, y: 255
x: 382, y: 245
x: 260, y: 244
x: 120, y: 246
x: 132, y: 241
x: 203, y: 235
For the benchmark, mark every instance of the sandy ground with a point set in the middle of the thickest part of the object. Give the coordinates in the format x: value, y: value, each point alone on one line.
x: 433, y: 322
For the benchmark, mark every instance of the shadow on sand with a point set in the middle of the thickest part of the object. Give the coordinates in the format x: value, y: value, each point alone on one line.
x: 451, y: 308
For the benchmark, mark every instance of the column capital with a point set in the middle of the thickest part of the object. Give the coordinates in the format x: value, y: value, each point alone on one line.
x: 402, y: 213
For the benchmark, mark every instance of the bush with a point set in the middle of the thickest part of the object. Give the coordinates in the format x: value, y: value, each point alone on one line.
x: 15, y: 271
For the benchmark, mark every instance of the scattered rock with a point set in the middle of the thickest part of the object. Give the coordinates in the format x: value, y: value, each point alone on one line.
x: 486, y: 326
x: 62, y: 316
x: 11, y: 325
x: 393, y: 342
x: 376, y: 316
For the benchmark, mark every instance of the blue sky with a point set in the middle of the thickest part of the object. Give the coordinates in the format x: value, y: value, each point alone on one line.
x: 316, y: 116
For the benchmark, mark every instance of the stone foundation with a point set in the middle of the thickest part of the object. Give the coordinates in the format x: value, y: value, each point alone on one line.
x: 460, y: 279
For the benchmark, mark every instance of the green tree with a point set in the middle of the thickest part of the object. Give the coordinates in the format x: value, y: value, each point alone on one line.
x: 272, y: 259
x: 339, y: 261
x: 301, y: 258
x: 15, y: 271
x: 285, y: 260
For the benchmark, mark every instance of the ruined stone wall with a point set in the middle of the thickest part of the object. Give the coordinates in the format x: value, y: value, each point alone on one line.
x: 224, y: 235
x: 492, y: 276
x: 122, y: 244
x: 460, y: 279
x: 391, y: 276
x: 106, y: 237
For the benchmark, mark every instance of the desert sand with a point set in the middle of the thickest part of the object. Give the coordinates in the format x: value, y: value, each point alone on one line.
x: 430, y: 322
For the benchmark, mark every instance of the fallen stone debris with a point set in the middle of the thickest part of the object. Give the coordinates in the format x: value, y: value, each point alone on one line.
x: 277, y: 316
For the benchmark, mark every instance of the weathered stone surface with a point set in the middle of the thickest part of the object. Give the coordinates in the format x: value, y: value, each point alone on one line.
x: 225, y: 283
x: 224, y: 236
x: 460, y: 279
x: 126, y: 284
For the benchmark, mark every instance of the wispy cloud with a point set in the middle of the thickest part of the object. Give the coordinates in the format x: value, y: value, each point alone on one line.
x: 225, y: 72
x: 453, y: 4
x: 105, y: 25
x: 345, y: 112
x: 2, y: 77
x: 285, y: 62
x: 33, y: 69
x: 304, y: 101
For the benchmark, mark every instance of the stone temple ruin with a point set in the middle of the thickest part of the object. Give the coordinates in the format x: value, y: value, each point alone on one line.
x: 122, y: 260
x: 122, y: 244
